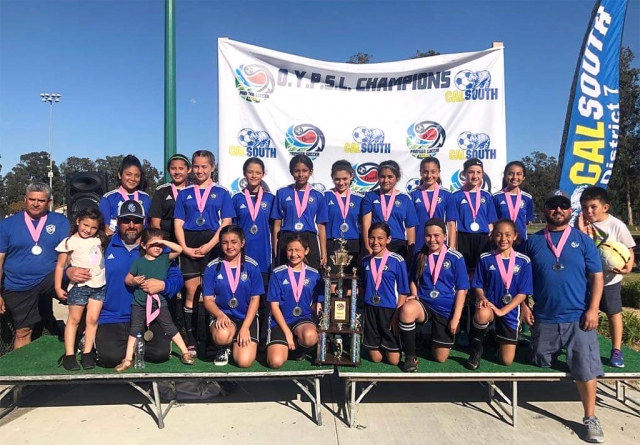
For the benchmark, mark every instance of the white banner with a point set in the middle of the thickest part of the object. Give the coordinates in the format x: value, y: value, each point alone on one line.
x: 274, y: 105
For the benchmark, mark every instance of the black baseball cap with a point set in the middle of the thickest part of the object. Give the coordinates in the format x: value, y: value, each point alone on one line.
x: 557, y: 196
x: 131, y: 208
x: 471, y: 162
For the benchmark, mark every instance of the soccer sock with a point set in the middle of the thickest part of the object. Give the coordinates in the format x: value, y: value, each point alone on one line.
x: 189, y: 316
x: 408, y: 338
x: 478, y: 332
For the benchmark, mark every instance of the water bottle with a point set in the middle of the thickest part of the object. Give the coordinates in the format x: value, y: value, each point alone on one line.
x: 138, y: 352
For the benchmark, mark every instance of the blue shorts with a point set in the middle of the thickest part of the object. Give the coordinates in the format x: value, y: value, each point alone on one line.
x: 583, y: 350
x: 80, y: 295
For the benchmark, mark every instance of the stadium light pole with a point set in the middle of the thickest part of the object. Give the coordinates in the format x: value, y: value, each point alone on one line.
x: 51, y: 98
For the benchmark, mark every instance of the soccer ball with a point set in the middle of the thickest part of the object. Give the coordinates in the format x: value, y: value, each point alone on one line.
x: 467, y: 140
x: 614, y: 255
x: 360, y: 134
x: 465, y: 80
x: 413, y: 184
x: 246, y: 137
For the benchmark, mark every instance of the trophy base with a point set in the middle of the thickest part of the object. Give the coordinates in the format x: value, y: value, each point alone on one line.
x: 333, y: 360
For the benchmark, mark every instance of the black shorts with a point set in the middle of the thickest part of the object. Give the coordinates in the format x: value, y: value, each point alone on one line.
x: 276, y: 335
x: 376, y: 331
x: 111, y: 344
x: 471, y: 246
x: 441, y: 337
x: 313, y: 259
x: 352, y: 246
x: 190, y: 267
x: 504, y: 332
x: 24, y: 306
x: 253, y: 328
x: 611, y: 302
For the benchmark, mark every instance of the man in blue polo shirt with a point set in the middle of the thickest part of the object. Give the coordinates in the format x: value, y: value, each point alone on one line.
x: 115, y: 317
x: 27, y: 260
x: 567, y: 287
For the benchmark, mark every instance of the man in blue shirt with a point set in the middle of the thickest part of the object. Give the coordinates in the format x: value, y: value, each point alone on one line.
x: 115, y: 317
x: 27, y: 260
x: 567, y: 287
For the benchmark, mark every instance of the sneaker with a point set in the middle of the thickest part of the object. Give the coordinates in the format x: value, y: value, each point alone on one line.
x: 617, y: 359
x: 594, y: 432
x: 88, y: 361
x: 69, y: 362
x: 473, y: 362
x: 410, y: 364
x: 222, y: 357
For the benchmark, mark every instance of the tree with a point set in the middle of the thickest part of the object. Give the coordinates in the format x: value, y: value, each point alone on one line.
x: 360, y: 58
x: 152, y: 175
x: 420, y: 54
x: 33, y: 167
x: 623, y: 188
x: 74, y: 164
x: 542, y: 177
x: 111, y: 165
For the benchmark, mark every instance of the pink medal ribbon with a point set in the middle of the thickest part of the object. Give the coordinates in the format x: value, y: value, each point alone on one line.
x: 152, y: 314
x: 125, y: 195
x: 431, y: 205
x: 301, y: 207
x: 202, y: 200
x: 506, y: 275
x: 35, y: 232
x: 233, y: 282
x: 174, y: 191
x: 376, y: 272
x: 388, y: 206
x: 557, y: 251
x: 513, y: 208
x: 296, y: 288
x: 344, y: 207
x: 476, y: 208
x: 435, y: 267
x: 253, y: 210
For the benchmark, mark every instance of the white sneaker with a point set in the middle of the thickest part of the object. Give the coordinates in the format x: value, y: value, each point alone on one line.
x: 222, y: 357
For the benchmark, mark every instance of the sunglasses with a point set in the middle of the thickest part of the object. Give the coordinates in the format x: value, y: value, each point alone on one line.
x: 555, y: 205
x: 130, y: 220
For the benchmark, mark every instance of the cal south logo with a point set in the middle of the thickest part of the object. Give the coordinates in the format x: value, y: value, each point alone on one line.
x: 473, y: 145
x: 253, y: 143
x: 458, y: 178
x: 254, y: 82
x: 425, y: 138
x: 366, y: 177
x: 472, y: 85
x: 304, y: 139
x: 367, y: 140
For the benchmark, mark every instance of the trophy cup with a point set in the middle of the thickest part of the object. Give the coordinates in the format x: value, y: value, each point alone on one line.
x: 338, y: 320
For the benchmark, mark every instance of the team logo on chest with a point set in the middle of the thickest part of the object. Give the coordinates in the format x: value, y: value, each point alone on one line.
x: 306, y: 281
x: 51, y: 229
x: 446, y: 264
x: 516, y: 269
x: 244, y: 276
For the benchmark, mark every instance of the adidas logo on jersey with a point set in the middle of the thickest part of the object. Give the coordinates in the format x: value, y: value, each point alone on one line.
x: 111, y: 257
x: 376, y: 201
x: 288, y: 198
x: 285, y: 281
x: 331, y: 203
x: 242, y: 206
x: 464, y: 201
x: 491, y: 267
x: 503, y: 202
x: 418, y: 200
x: 168, y: 198
x: 189, y: 197
x: 219, y: 277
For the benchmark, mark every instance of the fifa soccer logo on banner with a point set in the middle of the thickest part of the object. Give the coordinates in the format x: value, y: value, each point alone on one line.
x: 254, y: 82
x: 472, y: 85
x: 304, y: 139
x: 253, y: 143
x: 425, y: 139
x: 239, y: 184
x: 365, y: 177
x: 367, y: 140
x: 473, y: 145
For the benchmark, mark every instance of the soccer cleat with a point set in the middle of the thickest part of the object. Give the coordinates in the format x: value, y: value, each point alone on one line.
x: 617, y: 359
x: 222, y: 357
x: 410, y: 364
x: 594, y: 433
x: 473, y: 362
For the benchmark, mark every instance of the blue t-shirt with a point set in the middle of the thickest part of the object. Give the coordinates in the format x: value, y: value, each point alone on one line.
x: 335, y: 215
x: 118, y: 296
x: 215, y: 283
x: 217, y: 207
x: 22, y: 270
x: 562, y: 296
x: 403, y: 214
x: 280, y: 291
x: 258, y: 246
x: 453, y: 277
x: 487, y: 277
x: 486, y: 213
x: 445, y: 209
x: 525, y: 212
x: 284, y: 209
x: 111, y: 202
x: 394, y: 283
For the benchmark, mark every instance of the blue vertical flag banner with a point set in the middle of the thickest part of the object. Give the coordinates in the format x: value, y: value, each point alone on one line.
x: 590, y: 138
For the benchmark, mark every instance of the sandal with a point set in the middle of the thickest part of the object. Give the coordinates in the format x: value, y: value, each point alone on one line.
x: 124, y: 365
x: 187, y: 359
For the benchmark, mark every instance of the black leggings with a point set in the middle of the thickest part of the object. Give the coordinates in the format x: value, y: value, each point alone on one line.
x: 111, y: 344
x: 138, y: 318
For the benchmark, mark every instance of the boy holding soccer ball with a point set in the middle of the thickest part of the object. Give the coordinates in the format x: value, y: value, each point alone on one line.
x: 602, y: 227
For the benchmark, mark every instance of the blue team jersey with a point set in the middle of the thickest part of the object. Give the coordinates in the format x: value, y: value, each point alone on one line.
x: 525, y: 213
x: 111, y: 202
x: 453, y: 277
x: 445, y: 209
x: 562, y: 296
x: 217, y: 207
x: 22, y: 270
x: 394, y: 282
x: 403, y: 214
x: 280, y: 291
x: 486, y: 213
x: 284, y: 209
x: 215, y: 283
x: 487, y: 277
x: 335, y: 215
x: 258, y: 246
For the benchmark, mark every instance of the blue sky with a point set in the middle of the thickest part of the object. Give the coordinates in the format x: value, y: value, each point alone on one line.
x: 106, y: 58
